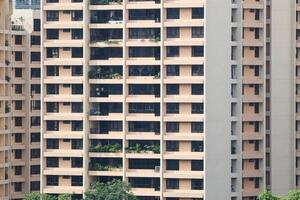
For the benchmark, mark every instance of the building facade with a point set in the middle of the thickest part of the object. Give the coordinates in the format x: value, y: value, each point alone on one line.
x: 20, y: 116
x: 194, y: 99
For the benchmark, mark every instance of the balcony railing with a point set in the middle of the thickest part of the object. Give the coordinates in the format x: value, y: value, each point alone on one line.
x: 140, y: 148
x: 99, y: 167
x: 105, y: 2
x: 110, y: 148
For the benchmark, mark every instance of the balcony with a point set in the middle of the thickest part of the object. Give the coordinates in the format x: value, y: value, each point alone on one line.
x: 105, y: 90
x: 107, y: 17
x: 106, y: 72
x: 105, y: 127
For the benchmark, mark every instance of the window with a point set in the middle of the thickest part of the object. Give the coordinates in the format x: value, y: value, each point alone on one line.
x: 52, y: 125
x: 172, y: 146
x: 77, y: 125
x: 172, y: 127
x: 18, y: 56
x: 18, y: 170
x: 76, y: 162
x: 52, y: 34
x: 35, y: 72
x: 35, y: 40
x: 77, y: 70
x: 197, y: 184
x: 52, y: 15
x: 76, y: 181
x: 18, y: 137
x: 52, y: 89
x: 52, y: 52
x: 77, y: 15
x: 18, y: 121
x: 52, y: 180
x: 197, y: 13
x: 77, y: 107
x: 18, y: 105
x: 172, y: 51
x: 35, y: 89
x: 197, y: 108
x: 197, y: 146
x: 197, y: 89
x: 18, y: 154
x: 18, y: 187
x: 35, y: 121
x: 52, y: 162
x: 35, y: 137
x: 37, y: 25
x: 173, y: 32
x: 52, y: 71
x: 172, y: 183
x: 18, y: 39
x: 35, y: 169
x: 173, y: 13
x: 77, y: 89
x: 172, y: 164
x: 18, y: 72
x: 172, y: 108
x: 197, y: 70
x: 52, y: 144
x: 35, y: 56
x: 34, y: 186
x: 197, y: 127
x: 77, y: 144
x: 77, y: 52
x: 35, y: 153
x: 18, y: 89
x: 197, y: 51
x: 173, y: 70
x: 172, y: 89
x: 197, y: 165
x: 77, y: 34
x: 197, y: 32
x: 35, y: 105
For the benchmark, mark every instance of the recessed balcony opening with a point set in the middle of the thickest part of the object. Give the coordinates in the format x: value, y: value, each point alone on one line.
x: 106, y: 146
x: 106, y: 72
x: 144, y: 33
x: 144, y: 14
x: 106, y: 35
x: 104, y: 109
x: 144, y: 108
x: 144, y: 52
x: 106, y: 16
x: 152, y: 164
x: 144, y: 126
x: 145, y: 183
x: 105, y: 90
x: 106, y: 179
x: 144, y: 89
x: 106, y: 53
x: 105, y: 164
x: 104, y: 127
x: 144, y: 70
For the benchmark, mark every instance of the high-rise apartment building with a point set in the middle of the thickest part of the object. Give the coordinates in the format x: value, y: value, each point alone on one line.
x: 19, y: 105
x: 184, y: 99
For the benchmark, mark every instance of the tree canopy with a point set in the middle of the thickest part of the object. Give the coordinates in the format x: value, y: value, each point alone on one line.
x: 292, y: 195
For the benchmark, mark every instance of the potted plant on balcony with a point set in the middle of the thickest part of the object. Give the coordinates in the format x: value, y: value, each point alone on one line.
x: 157, y: 76
x: 116, y: 76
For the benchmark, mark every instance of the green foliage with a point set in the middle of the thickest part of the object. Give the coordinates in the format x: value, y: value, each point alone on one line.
x: 38, y: 196
x: 65, y: 197
x: 112, y: 148
x: 138, y: 148
x: 267, y: 196
x: 99, y: 167
x: 292, y: 195
x: 114, y: 190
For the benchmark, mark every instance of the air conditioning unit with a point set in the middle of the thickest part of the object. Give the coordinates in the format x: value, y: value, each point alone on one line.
x: 157, y: 169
